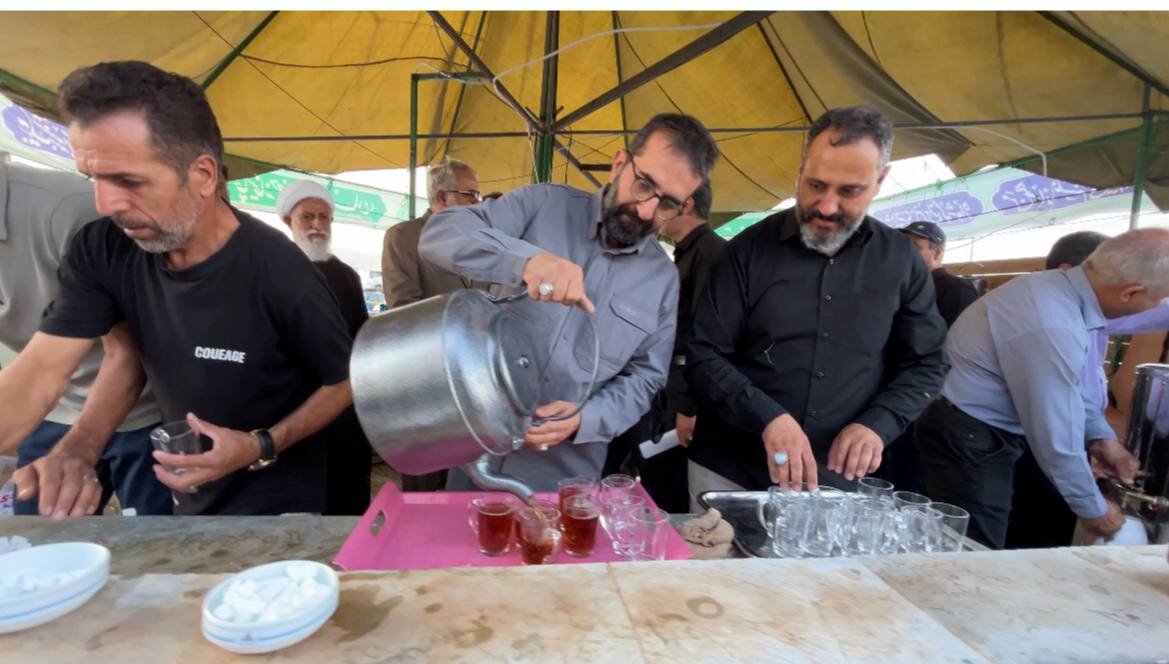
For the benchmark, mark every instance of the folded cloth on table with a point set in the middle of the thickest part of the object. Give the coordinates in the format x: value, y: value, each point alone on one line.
x: 708, y: 536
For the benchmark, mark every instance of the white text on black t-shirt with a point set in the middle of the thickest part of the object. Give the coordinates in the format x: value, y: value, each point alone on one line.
x: 220, y: 354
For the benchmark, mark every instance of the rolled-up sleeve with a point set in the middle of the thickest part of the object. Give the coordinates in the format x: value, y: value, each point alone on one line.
x: 718, y: 321
x: 481, y: 242
x: 1040, y: 369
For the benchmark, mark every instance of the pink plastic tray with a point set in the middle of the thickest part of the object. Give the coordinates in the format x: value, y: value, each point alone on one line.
x: 429, y: 530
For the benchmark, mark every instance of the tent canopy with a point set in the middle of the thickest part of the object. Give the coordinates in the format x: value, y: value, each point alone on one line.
x: 330, y: 91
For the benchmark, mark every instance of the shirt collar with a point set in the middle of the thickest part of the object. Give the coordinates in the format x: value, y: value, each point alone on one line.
x: 1089, y: 305
x: 596, y: 230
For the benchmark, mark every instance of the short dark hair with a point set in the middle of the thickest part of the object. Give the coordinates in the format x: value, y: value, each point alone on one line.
x: 1073, y: 248
x: 182, y: 125
x: 854, y: 123
x: 687, y: 135
x: 702, y: 198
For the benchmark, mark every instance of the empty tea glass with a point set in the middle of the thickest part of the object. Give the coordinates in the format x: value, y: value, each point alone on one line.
x: 616, y: 519
x: 904, y: 498
x: 651, y: 531
x: 955, y: 521
x: 874, y: 488
x: 826, y: 505
x: 791, y: 527
x: 923, y: 528
x: 869, y: 526
x: 176, y: 438
x: 615, y: 485
x: 769, y: 509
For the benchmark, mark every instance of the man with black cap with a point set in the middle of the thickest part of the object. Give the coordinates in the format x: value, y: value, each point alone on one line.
x: 953, y: 293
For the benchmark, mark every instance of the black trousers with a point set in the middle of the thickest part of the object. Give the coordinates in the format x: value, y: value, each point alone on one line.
x: 901, y: 463
x: 663, y: 475
x: 1040, y: 517
x: 970, y: 464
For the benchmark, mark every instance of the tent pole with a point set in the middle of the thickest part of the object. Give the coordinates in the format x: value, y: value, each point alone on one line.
x: 1138, y: 185
x: 543, y: 157
x: 413, y: 137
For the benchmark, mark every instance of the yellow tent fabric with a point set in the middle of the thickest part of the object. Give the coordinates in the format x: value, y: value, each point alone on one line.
x: 278, y: 79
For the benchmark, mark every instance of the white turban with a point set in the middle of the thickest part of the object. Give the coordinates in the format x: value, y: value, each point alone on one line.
x: 297, y: 192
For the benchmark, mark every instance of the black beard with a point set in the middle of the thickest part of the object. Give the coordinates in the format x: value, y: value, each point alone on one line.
x: 623, y: 227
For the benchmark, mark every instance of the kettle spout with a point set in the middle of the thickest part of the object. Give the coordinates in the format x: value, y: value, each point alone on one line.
x: 480, y: 473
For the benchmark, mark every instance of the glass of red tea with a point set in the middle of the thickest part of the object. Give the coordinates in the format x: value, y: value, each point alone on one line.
x: 538, y: 534
x: 579, y: 519
x: 493, y: 520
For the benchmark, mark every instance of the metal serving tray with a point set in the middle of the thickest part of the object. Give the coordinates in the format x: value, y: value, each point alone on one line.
x: 741, y: 510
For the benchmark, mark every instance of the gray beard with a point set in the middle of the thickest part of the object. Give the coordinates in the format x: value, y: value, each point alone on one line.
x: 317, y: 252
x: 827, y: 246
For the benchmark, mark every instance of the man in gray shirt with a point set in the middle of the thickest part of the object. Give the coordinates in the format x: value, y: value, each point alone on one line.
x: 596, y: 250
x: 40, y: 210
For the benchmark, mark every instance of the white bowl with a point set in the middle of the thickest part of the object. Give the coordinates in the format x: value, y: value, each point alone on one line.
x: 256, y: 637
x: 92, y: 561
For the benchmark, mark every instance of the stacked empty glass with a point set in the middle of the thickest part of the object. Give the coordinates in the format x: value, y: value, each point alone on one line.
x: 873, y: 520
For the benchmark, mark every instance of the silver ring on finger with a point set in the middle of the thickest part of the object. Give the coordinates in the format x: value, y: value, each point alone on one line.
x: 780, y: 458
x: 91, y: 477
x: 546, y: 289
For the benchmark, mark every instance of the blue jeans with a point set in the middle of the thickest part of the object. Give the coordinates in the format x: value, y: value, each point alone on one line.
x: 125, y: 469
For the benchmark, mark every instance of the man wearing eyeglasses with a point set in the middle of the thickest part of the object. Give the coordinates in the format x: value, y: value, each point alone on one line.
x: 408, y: 278
x: 596, y: 250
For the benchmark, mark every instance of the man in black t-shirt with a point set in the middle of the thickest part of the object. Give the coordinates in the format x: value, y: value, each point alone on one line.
x: 307, y: 208
x: 236, y: 331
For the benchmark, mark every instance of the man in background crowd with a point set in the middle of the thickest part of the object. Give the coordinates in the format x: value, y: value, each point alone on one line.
x: 1018, y: 355
x: 87, y: 448
x: 407, y: 277
x: 307, y: 208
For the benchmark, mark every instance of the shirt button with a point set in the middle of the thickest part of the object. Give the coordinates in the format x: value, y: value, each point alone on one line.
x: 819, y: 374
x: 811, y: 413
x: 832, y: 261
x: 827, y: 298
x: 823, y: 335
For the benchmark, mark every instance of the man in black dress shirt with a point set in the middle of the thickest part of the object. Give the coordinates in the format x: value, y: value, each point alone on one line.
x: 696, y: 246
x: 307, y: 208
x: 817, y: 340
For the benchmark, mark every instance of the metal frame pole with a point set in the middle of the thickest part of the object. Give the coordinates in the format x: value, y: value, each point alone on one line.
x: 1138, y: 185
x: 413, y: 138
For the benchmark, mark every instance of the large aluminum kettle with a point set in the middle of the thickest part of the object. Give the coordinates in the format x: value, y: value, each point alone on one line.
x: 1148, y: 440
x: 448, y: 381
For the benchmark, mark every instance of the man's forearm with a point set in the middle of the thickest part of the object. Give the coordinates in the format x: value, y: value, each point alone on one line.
x: 24, y: 406
x: 34, y: 383
x: 115, y: 391
x: 321, y: 408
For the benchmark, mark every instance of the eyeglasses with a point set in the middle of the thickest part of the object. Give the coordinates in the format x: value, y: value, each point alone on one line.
x: 469, y: 194
x: 643, y: 189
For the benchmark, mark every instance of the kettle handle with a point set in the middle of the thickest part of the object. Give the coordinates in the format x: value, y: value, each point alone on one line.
x: 596, y: 356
